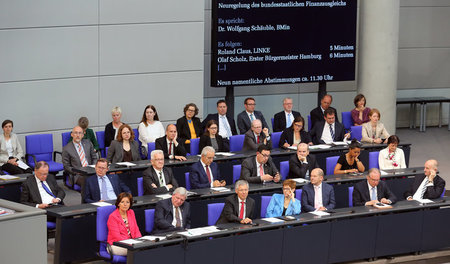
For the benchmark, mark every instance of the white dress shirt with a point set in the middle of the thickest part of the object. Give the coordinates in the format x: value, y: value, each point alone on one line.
x: 223, y: 124
x: 210, y: 172
x: 326, y: 135
x: 45, y: 197
x: 174, y: 221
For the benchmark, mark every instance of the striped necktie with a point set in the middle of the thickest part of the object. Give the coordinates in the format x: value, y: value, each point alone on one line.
x: 83, y: 160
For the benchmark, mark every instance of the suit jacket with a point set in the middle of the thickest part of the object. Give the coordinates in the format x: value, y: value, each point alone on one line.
x: 116, y: 227
x: 30, y: 193
x: 17, y: 149
x: 206, y: 141
x: 308, y: 195
x: 150, y: 176
x: 216, y: 117
x: 250, y: 141
x: 432, y: 192
x: 244, y: 123
x: 317, y: 130
x: 298, y: 170
x: 276, y: 206
x: 161, y: 143
x: 317, y: 115
x: 92, y: 190
x: 109, y: 134
x: 361, y: 193
x: 279, y: 120
x: 90, y: 135
x: 115, y: 151
x: 198, y: 177
x: 164, y: 216
x: 288, y: 137
x: 249, y: 170
x: 380, y: 132
x: 70, y: 158
x: 183, y: 128
x: 230, y: 212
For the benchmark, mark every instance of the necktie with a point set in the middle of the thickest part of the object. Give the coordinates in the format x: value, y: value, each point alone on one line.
x: 241, y: 212
x: 261, y: 170
x: 331, y: 132
x: 47, y: 190
x: 161, y: 181
x: 177, y: 217
x: 83, y: 160
x: 104, y: 191
x: 208, y: 173
x: 227, y: 128
x: 170, y: 148
x: 257, y: 139
x: 252, y: 117
x: 424, y: 189
x: 288, y: 121
x: 316, y: 197
x: 373, y: 196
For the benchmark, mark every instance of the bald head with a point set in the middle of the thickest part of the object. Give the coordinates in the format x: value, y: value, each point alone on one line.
x: 171, y: 131
x: 77, y: 134
x: 256, y: 126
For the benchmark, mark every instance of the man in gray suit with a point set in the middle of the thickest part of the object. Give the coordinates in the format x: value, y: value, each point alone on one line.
x: 157, y: 178
x: 261, y: 168
x: 256, y: 136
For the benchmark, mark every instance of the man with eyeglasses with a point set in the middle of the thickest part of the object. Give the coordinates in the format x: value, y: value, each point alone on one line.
x: 260, y: 169
x: 372, y: 191
x: 256, y: 136
x: 157, y: 178
x: 245, y: 118
x: 103, y: 187
x: 205, y: 172
x: 301, y: 165
x: 284, y: 119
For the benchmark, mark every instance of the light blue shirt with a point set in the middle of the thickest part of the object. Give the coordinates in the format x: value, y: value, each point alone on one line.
x: 109, y: 188
x: 276, y: 206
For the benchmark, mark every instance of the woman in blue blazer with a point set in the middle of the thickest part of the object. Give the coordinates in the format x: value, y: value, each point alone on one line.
x: 284, y: 204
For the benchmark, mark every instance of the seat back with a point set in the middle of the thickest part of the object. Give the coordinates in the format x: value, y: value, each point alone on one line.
x: 265, y: 200
x: 356, y: 132
x: 272, y: 119
x: 136, y: 134
x: 103, y: 213
x: 149, y: 220
x: 276, y: 139
x: 195, y: 144
x: 309, y: 123
x: 101, y: 142
x: 284, y: 169
x: 330, y: 164
x: 350, y: 196
x: 187, y: 180
x: 236, y: 143
x: 65, y: 138
x: 443, y: 193
x: 214, y: 211
x: 347, y: 120
x: 150, y: 146
x: 236, y: 172
x: 373, y: 159
x: 298, y: 194
x: 140, y: 186
x: 41, y: 146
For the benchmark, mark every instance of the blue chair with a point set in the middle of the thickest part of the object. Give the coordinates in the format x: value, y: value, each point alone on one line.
x: 356, y: 132
x: 187, y: 180
x: 347, y: 120
x: 236, y: 143
x: 373, y: 159
x: 102, y: 234
x: 214, y: 211
x: 265, y: 200
x: 284, y: 169
x: 330, y: 164
x: 272, y: 119
x: 136, y: 134
x: 275, y: 137
x: 150, y: 146
x: 40, y: 147
x: 106, y: 151
x: 236, y: 172
x: 195, y: 144
x: 350, y: 196
x: 298, y: 194
x: 140, y: 186
x: 101, y: 142
x: 309, y: 123
x: 65, y: 138
x: 149, y: 220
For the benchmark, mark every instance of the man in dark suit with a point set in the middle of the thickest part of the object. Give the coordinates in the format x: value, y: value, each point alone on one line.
x: 301, y: 165
x: 103, y: 187
x: 284, y: 119
x: 317, y: 195
x: 41, y: 190
x: 427, y: 186
x: 254, y: 137
x: 318, y: 113
x: 205, y: 173
x: 225, y: 124
x: 245, y: 118
x: 170, y: 146
x: 157, y: 178
x: 78, y: 153
x: 372, y: 191
x: 328, y: 130
x: 238, y: 208
x: 260, y: 168
x: 173, y: 214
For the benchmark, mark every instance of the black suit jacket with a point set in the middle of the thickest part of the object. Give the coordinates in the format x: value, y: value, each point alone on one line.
x: 288, y: 137
x: 249, y: 171
x: 109, y: 134
x: 161, y: 143
x: 206, y: 141
x: 361, y: 193
x: 30, y: 193
x: 317, y: 115
x: 164, y: 216
x: 317, y: 130
x: 183, y: 128
x: 279, y: 120
x: 92, y: 190
x: 149, y: 176
x: 298, y: 170
x: 216, y: 117
x: 244, y: 123
x: 308, y: 195
x: 198, y: 177
x: 250, y: 141
x: 432, y: 192
x: 230, y: 212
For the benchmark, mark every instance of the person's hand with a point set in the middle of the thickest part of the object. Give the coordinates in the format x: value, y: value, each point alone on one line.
x: 385, y: 141
x: 175, y: 139
x: 321, y: 208
x: 266, y: 131
x: 432, y: 175
x: 409, y: 198
x: 154, y: 185
x: 55, y: 200
x: 371, y: 202
x: 246, y: 221
x: 377, y: 140
x: 216, y: 183
x: 286, y: 145
x: 352, y: 171
x: 170, y: 186
x: 292, y: 196
x: 266, y: 177
x: 303, y: 159
x: 180, y: 158
x: 42, y: 205
x: 347, y: 135
x: 277, y: 177
x: 223, y: 183
x: 385, y: 201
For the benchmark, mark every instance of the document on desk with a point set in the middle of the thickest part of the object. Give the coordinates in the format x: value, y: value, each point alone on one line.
x: 92, y: 166
x: 226, y: 154
x: 339, y: 143
x: 272, y: 220
x: 9, y: 177
x: 220, y: 189
x: 199, y: 231
x: 319, y: 213
x: 320, y: 146
x: 294, y: 147
x: 126, y: 163
x: 300, y: 180
x: 164, y: 196
x: 131, y: 241
x: 153, y: 238
x: 100, y: 204
x: 424, y: 201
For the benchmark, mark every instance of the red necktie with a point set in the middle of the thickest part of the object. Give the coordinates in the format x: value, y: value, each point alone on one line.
x: 208, y: 173
x: 241, y: 213
x: 261, y: 170
x: 170, y: 148
x: 257, y: 140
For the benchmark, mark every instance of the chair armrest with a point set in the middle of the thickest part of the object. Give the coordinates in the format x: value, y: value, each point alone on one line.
x: 54, y: 154
x: 108, y: 246
x: 33, y: 156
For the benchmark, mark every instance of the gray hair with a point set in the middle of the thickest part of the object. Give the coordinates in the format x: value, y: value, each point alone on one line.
x: 239, y: 183
x: 287, y: 98
x: 256, y: 121
x: 374, y: 170
x: 208, y: 149
x: 180, y: 191
x: 156, y: 152
x: 116, y: 109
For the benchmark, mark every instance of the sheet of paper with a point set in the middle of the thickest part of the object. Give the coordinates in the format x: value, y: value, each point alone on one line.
x: 22, y: 165
x: 321, y: 146
x: 9, y: 177
x: 131, y: 241
x: 424, y: 201
x: 272, y: 220
x: 164, y: 196
x: 300, y: 180
x: 294, y: 147
x: 220, y: 189
x: 92, y: 166
x: 100, y: 204
x: 382, y: 172
x: 227, y: 154
x: 340, y: 143
x: 199, y: 231
x: 319, y: 213
x: 152, y: 238
x: 126, y: 163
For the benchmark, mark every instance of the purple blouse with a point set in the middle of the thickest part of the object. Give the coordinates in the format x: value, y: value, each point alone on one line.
x: 355, y: 116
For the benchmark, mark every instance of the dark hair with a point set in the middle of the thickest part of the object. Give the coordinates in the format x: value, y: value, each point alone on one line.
x: 354, y: 144
x: 209, y: 124
x: 144, y: 118
x: 358, y: 98
x: 248, y: 98
x: 103, y: 160
x: 393, y: 139
x: 186, y: 107
x: 123, y: 195
x: 299, y: 119
x: 40, y: 164
x: 221, y: 101
x: 83, y: 122
x: 329, y: 111
x: 7, y: 121
x: 119, y: 133
x: 262, y: 147
x: 289, y: 182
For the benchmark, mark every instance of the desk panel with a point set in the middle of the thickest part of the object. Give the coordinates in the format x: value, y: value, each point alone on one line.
x: 169, y: 254
x: 206, y: 251
x: 436, y: 229
x: 258, y: 247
